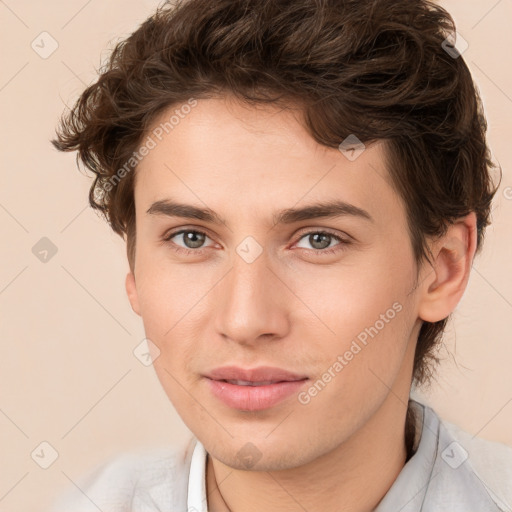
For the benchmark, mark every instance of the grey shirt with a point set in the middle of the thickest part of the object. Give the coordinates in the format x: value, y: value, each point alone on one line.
x: 450, y: 471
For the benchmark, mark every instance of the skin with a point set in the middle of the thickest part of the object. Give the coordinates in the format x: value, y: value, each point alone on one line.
x: 290, y: 308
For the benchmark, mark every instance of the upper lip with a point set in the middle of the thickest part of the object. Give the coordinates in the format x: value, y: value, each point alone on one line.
x: 259, y: 374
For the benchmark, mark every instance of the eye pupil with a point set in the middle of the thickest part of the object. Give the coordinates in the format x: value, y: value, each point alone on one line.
x: 314, y: 240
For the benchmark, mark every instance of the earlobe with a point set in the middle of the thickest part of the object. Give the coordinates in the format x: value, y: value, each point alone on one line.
x: 445, y: 283
x: 131, y: 291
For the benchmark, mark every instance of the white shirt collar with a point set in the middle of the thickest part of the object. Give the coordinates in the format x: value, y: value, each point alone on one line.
x: 196, y: 499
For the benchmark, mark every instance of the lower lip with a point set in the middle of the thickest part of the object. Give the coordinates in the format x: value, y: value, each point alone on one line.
x: 254, y: 398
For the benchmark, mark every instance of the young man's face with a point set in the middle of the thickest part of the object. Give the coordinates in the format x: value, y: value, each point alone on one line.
x: 340, y: 313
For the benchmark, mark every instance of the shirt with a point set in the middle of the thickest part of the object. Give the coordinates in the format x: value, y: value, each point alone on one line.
x: 450, y: 471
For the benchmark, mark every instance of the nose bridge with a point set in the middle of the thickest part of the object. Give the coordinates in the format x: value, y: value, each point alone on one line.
x: 251, y: 304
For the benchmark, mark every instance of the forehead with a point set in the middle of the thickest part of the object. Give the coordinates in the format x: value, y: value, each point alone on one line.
x: 249, y: 160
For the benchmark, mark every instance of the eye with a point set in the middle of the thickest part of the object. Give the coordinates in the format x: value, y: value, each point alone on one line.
x: 321, y: 241
x: 192, y: 239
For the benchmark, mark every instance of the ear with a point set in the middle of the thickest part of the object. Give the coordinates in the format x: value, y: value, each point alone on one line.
x: 443, y: 285
x: 131, y: 291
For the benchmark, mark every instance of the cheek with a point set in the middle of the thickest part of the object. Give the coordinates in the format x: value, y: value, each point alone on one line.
x: 168, y: 297
x: 360, y: 363
x: 363, y: 314
x: 173, y: 305
x: 349, y: 300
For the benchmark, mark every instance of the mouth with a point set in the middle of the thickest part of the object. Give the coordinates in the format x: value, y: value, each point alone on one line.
x: 259, y: 375
x: 253, y: 389
x: 252, y: 383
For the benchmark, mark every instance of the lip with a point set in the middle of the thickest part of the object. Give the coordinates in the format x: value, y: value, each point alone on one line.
x: 253, y: 398
x: 258, y: 374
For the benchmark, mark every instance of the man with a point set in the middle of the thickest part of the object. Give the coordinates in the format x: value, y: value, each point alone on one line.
x: 303, y: 187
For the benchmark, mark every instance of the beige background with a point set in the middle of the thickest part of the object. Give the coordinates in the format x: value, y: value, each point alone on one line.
x: 67, y: 372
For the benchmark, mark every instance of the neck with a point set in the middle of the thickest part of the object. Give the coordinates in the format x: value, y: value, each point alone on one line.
x: 352, y: 478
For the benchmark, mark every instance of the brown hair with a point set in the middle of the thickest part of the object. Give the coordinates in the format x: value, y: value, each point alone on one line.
x: 373, y: 68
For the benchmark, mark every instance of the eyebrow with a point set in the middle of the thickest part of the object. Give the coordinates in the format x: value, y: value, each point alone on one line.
x: 325, y: 209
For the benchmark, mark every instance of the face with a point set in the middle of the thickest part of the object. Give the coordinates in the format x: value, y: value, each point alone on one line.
x: 328, y: 298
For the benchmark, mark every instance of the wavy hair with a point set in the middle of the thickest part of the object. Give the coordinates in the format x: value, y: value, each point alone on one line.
x: 378, y: 69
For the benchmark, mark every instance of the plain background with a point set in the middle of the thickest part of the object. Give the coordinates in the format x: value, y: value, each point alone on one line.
x: 68, y: 375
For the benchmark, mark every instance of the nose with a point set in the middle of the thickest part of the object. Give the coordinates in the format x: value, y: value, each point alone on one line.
x: 253, y: 303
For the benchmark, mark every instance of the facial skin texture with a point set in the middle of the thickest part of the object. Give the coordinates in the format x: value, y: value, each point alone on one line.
x: 294, y: 307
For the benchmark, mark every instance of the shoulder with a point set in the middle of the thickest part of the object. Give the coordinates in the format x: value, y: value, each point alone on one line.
x: 490, y: 461
x: 465, y: 472
x: 138, y: 480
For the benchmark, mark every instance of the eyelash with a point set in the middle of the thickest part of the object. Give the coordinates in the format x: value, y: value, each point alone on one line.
x: 339, y: 247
